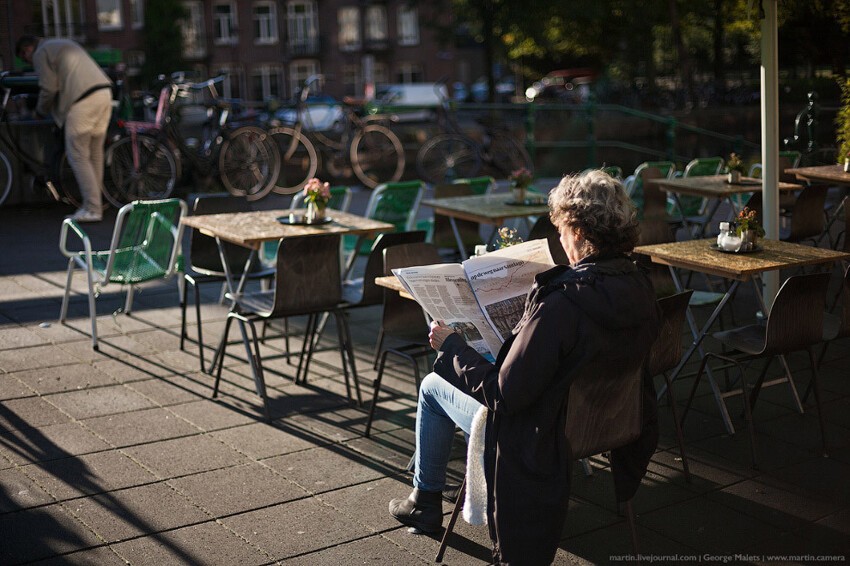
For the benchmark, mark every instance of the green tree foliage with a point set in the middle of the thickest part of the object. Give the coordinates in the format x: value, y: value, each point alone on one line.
x: 163, y: 38
x: 842, y: 122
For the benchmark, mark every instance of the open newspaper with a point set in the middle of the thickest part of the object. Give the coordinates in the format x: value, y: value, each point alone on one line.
x: 483, y: 297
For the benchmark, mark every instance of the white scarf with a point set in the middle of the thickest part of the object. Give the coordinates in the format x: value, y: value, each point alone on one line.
x: 475, y: 500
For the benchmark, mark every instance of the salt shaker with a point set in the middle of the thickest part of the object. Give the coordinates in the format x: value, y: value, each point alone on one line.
x: 724, y: 231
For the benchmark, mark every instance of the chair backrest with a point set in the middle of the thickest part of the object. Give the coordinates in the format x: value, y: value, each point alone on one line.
x: 308, y: 277
x: 340, y: 199
x: 654, y: 199
x: 702, y: 166
x: 543, y: 228
x: 666, y: 351
x: 396, y: 203
x: 401, y: 315
x: 796, y: 317
x: 604, y: 410
x: 479, y: 185
x: 203, y: 250
x: 372, y: 294
x: 844, y: 329
x: 634, y: 188
x: 807, y: 216
x: 846, y: 204
x: 146, y: 241
x: 443, y: 236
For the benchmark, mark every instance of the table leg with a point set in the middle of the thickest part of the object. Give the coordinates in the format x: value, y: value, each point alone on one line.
x: 678, y: 202
x: 699, y: 336
x: 460, y: 247
x: 228, y: 278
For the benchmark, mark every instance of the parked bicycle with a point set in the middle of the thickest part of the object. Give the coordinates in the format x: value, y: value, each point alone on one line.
x: 359, y: 145
x: 45, y: 166
x: 454, y: 154
x: 147, y: 162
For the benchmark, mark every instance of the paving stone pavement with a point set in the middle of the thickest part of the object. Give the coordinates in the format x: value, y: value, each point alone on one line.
x: 122, y: 456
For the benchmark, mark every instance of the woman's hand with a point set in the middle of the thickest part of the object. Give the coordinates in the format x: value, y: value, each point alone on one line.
x: 438, y: 334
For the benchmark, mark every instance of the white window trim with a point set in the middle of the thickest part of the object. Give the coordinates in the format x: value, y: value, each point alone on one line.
x: 232, y: 38
x: 139, y: 6
x: 110, y: 27
x: 274, y: 37
x: 195, y: 7
x: 358, y: 44
x: 404, y: 39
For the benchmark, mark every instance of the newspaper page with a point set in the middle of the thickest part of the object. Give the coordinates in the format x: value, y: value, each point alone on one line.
x: 483, y: 298
x: 501, y: 280
x: 445, y: 294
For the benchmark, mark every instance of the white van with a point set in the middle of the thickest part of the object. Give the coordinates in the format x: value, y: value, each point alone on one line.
x: 410, y: 102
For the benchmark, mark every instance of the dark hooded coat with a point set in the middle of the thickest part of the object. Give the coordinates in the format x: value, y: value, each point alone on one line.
x: 591, y: 317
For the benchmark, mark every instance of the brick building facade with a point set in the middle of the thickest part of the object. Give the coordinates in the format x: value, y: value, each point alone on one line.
x: 268, y: 47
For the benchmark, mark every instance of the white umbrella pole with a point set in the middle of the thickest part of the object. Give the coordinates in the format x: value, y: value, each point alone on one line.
x: 770, y: 135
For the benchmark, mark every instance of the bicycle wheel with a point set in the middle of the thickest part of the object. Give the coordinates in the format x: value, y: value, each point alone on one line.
x: 64, y: 176
x: 447, y: 157
x: 248, y: 163
x: 506, y: 154
x: 377, y: 156
x: 298, y: 160
x: 5, y: 178
x: 155, y: 177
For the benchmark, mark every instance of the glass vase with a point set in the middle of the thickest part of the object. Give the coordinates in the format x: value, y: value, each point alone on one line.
x: 315, y: 212
x: 749, y: 240
x: 519, y: 193
x: 734, y: 177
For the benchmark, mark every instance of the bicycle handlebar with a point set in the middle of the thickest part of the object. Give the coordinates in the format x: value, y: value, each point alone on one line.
x: 7, y: 81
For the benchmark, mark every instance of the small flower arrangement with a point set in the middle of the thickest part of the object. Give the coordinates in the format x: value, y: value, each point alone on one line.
x: 317, y: 192
x: 507, y: 237
x: 746, y: 221
x: 521, y: 178
x: 734, y: 163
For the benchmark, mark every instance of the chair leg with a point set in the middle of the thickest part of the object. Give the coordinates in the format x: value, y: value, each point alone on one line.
x: 200, y: 332
x: 306, y: 350
x: 256, y: 363
x: 128, y: 303
x: 816, y: 387
x: 63, y: 311
x: 586, y: 467
x: 379, y: 345
x: 92, y: 310
x: 219, y: 354
x: 376, y: 392
x: 680, y: 437
x: 347, y: 350
x: 693, y: 390
x: 183, y: 323
x: 630, y: 517
x: 452, y: 520
x: 748, y: 413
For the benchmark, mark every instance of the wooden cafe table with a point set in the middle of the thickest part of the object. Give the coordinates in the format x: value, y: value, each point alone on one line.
x: 713, y: 187
x: 491, y: 209
x: 697, y: 255
x: 826, y: 175
x: 253, y: 229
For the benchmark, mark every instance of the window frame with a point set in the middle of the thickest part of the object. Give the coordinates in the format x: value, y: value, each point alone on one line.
x: 408, y: 25
x: 118, y: 4
x: 345, y: 26
x: 232, y: 35
x: 270, y: 20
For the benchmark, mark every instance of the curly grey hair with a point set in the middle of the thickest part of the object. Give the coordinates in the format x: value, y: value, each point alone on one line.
x: 597, y: 206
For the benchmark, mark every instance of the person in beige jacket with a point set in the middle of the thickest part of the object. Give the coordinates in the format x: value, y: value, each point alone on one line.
x: 77, y: 93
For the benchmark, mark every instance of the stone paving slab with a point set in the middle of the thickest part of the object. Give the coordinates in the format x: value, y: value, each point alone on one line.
x: 120, y: 456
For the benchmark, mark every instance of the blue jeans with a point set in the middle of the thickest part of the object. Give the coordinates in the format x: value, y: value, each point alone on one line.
x: 441, y: 407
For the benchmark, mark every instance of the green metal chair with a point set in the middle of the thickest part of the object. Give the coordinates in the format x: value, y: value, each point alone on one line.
x: 695, y: 206
x: 394, y: 203
x: 613, y: 170
x: 479, y: 185
x: 145, y: 246
x: 634, y: 183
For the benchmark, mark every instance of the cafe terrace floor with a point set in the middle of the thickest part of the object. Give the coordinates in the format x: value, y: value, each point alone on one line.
x: 121, y: 456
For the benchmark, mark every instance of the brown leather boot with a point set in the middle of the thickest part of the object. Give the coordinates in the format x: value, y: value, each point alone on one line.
x: 422, y: 510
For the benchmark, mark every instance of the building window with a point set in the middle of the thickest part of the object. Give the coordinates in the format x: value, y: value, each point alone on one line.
x: 303, y: 27
x: 379, y: 73
x: 68, y: 21
x: 109, y: 14
x: 348, y: 20
x: 409, y: 73
x: 194, y: 35
x: 376, y: 22
x: 265, y: 82
x: 408, y: 25
x: 265, y: 23
x: 137, y: 13
x: 224, y: 22
x: 299, y: 71
x: 352, y: 83
x: 231, y: 86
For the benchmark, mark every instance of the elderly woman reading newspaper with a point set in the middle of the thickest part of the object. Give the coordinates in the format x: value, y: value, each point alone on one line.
x: 576, y: 319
